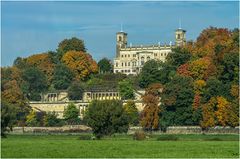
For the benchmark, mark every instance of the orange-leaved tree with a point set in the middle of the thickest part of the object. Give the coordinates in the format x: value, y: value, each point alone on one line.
x: 226, y: 113
x: 44, y: 63
x: 151, y: 100
x: 80, y: 63
x: 198, y: 86
x: 208, y: 114
x: 202, y: 68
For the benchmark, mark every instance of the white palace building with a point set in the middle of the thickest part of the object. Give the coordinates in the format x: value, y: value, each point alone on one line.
x: 130, y: 59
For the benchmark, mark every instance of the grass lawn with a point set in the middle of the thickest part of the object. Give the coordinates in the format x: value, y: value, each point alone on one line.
x: 59, y: 146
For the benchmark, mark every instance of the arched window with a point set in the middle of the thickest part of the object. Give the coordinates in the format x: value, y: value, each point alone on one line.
x: 178, y: 36
x: 119, y: 38
x: 148, y: 58
x: 116, y: 64
x: 142, y: 60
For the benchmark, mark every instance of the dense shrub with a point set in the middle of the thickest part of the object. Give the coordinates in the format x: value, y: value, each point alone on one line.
x: 50, y: 119
x: 71, y: 114
x: 139, y: 135
x: 106, y: 118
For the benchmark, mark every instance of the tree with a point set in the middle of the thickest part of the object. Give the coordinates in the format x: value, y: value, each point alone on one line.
x: 202, y: 68
x: 177, y: 100
x: 155, y: 71
x: 226, y: 113
x: 209, y: 119
x: 44, y: 63
x: 8, y: 116
x: 10, y: 74
x: 179, y: 57
x: 211, y: 38
x: 230, y: 68
x: 184, y: 70
x: 151, y: 100
x: 223, y: 107
x: 32, y: 119
x: 12, y: 94
x: 75, y: 91
x: 106, y: 118
x: 50, y: 119
x: 132, y: 112
x: 215, y: 88
x: 218, y: 111
x: 105, y: 65
x: 20, y: 63
x: 150, y: 73
x: 80, y: 63
x: 126, y: 89
x: 71, y: 113
x: 62, y: 77
x: 73, y: 44
x: 35, y: 83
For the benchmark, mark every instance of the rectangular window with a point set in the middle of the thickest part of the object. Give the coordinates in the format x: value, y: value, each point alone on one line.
x: 128, y: 63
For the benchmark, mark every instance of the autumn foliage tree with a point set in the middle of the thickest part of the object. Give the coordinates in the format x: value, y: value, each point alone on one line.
x: 12, y: 92
x: 209, y: 118
x: 80, y: 63
x: 150, y: 113
x: 219, y: 111
x: 44, y: 63
x: 73, y: 44
x: 202, y: 68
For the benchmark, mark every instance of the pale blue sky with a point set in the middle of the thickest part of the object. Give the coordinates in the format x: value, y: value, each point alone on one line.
x: 36, y: 27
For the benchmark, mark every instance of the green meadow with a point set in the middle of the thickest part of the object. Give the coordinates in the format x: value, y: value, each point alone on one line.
x: 120, y: 146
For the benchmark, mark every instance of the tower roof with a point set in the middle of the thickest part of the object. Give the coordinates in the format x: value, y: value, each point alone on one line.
x: 180, y: 29
x: 121, y: 32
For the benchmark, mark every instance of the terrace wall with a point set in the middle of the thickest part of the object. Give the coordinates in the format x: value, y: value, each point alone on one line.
x: 170, y: 130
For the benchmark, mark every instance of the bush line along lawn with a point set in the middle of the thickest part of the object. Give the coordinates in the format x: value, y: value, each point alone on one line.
x: 59, y: 146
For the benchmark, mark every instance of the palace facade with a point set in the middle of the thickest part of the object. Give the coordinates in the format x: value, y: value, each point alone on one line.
x: 130, y: 59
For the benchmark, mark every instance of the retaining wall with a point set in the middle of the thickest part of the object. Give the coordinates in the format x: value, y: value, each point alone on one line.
x: 63, y: 129
x: 191, y: 130
x: 170, y: 130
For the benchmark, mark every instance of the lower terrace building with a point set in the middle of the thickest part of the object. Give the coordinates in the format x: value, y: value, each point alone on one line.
x: 58, y: 101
